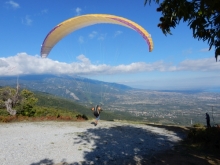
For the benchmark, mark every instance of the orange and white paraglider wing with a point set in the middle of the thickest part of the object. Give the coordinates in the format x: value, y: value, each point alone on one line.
x: 75, y: 23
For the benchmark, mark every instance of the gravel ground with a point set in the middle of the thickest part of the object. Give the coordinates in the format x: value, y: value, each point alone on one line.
x: 77, y: 143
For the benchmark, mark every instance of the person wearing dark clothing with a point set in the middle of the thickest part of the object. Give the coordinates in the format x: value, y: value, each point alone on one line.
x: 208, y: 120
x: 96, y: 111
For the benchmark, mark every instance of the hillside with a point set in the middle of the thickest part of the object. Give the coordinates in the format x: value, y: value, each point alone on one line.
x: 48, y: 100
x: 76, y: 88
x: 50, y: 105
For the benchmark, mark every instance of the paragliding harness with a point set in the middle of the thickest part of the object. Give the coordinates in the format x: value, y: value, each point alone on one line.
x: 96, y: 111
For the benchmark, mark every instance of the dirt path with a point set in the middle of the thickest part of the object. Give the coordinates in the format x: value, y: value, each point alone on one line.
x: 79, y: 143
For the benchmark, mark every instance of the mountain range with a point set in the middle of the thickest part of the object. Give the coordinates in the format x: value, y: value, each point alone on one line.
x: 79, y: 89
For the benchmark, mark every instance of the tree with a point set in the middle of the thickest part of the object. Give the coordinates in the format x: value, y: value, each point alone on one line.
x: 203, y: 17
x: 9, y: 98
x: 27, y: 103
x: 17, y: 102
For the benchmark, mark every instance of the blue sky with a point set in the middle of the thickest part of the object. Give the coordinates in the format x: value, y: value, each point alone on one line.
x: 104, y: 52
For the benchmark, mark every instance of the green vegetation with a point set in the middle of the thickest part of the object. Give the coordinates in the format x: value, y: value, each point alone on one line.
x: 49, y: 101
x: 26, y: 106
x: 38, y: 105
x: 16, y: 102
x: 3, y: 112
x: 46, y: 106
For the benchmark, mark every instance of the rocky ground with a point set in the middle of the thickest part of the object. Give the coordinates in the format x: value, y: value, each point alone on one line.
x: 79, y: 143
x: 82, y: 143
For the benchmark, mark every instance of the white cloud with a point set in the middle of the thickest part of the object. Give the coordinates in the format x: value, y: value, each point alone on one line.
x: 23, y: 63
x: 102, y: 37
x: 84, y: 59
x: 140, y: 67
x: 81, y: 39
x: 3, y: 63
x: 92, y: 35
x: 13, y: 4
x: 78, y: 11
x: 95, y: 34
x: 27, y: 20
x: 206, y: 64
x: 42, y: 12
x: 118, y: 33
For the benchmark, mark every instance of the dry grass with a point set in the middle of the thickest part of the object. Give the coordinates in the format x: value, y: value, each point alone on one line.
x: 7, y: 119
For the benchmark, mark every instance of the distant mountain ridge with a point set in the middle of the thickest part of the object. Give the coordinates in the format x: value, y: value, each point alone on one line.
x: 76, y: 88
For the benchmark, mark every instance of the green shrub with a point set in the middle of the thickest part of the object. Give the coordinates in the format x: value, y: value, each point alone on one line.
x: 79, y: 116
x: 27, y: 111
x: 3, y: 112
x: 84, y: 117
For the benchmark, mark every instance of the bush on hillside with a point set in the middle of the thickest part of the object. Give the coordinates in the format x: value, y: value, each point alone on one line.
x: 3, y: 112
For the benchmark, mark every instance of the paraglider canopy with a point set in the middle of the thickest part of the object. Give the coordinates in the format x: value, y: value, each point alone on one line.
x: 75, y: 23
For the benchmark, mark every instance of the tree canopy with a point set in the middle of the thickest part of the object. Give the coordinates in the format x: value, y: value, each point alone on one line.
x: 203, y: 17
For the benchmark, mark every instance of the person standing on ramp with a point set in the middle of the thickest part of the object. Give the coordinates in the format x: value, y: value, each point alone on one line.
x: 208, y: 120
x: 96, y: 111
